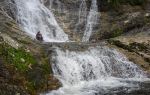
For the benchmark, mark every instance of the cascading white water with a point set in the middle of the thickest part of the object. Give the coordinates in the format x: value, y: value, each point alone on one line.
x: 87, y: 20
x: 33, y: 16
x: 51, y: 4
x: 82, y: 11
x: 87, y: 23
x: 91, y: 21
x: 88, y: 72
x: 82, y: 15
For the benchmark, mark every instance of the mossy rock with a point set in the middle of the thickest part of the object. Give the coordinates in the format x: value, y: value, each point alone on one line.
x: 116, y: 32
x: 120, y: 44
x: 33, y: 75
x: 18, y: 57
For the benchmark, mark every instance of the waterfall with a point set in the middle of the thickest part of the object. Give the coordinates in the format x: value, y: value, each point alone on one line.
x: 84, y: 23
x: 82, y: 15
x: 33, y: 16
x: 51, y: 4
x: 91, y: 21
x: 82, y: 11
x: 96, y: 69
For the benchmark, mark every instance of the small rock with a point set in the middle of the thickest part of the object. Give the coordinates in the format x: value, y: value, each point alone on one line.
x: 30, y: 66
x: 27, y: 50
x: 127, y: 21
x: 22, y: 60
x: 17, y: 93
x: 147, y: 14
x: 17, y: 45
x: 13, y: 55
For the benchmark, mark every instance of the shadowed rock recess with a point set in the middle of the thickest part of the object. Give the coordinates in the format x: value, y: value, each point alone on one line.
x: 90, y: 47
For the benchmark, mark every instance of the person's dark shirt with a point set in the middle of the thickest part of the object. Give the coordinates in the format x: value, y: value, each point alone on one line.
x: 39, y: 36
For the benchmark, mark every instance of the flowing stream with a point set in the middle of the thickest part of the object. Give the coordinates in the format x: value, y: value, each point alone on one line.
x: 96, y: 71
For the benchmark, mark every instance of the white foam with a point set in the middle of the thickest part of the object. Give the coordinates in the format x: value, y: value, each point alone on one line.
x: 92, y: 20
x: 96, y: 69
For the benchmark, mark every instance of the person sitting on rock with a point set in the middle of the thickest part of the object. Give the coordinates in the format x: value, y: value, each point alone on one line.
x: 54, y: 33
x: 39, y: 36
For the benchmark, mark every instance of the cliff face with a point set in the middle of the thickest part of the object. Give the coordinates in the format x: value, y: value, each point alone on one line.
x: 128, y: 29
x: 121, y: 16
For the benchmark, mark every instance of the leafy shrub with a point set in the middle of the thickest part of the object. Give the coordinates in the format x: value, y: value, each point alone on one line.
x: 117, y: 3
x: 116, y: 32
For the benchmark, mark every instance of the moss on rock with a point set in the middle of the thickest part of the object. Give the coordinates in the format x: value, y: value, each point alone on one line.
x: 141, y: 49
x: 18, y: 57
x: 33, y: 71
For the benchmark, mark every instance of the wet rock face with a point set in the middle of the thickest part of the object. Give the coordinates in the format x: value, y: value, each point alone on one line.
x: 1, y: 0
x: 129, y: 22
x: 137, y: 49
x: 103, y: 5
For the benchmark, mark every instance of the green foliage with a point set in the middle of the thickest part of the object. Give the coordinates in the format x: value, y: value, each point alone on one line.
x: 117, y: 3
x: 17, y: 57
x: 114, y: 3
x: 136, y: 2
x: 120, y: 44
x: 36, y: 78
x: 139, y: 46
x: 116, y: 32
